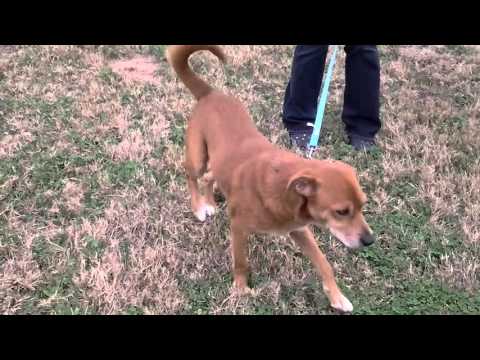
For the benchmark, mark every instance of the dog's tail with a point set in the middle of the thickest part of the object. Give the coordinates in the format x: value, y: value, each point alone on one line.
x: 177, y: 57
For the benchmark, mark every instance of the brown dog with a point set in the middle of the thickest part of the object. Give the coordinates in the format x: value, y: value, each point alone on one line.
x: 268, y: 190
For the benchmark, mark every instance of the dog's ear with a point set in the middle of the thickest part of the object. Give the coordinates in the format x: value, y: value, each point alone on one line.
x: 304, y: 185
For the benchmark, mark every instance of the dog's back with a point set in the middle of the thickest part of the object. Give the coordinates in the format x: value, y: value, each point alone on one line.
x: 223, y: 122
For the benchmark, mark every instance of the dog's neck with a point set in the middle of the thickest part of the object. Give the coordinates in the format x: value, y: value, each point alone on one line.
x: 284, y: 205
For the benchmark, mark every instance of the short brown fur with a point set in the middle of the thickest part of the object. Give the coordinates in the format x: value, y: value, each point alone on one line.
x: 268, y: 190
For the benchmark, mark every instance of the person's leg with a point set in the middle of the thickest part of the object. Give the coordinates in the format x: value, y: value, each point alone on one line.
x: 303, y: 89
x: 361, y: 108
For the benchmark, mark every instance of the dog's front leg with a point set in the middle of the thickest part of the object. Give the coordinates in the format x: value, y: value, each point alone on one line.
x: 305, y: 239
x: 239, y: 243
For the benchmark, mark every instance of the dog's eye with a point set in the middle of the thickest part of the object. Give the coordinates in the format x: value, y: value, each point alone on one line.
x: 343, y: 212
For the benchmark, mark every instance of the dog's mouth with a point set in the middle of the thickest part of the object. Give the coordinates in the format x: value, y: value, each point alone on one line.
x: 351, y: 244
x: 357, y: 246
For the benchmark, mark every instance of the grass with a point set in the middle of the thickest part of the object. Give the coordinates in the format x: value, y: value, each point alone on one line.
x: 94, y: 211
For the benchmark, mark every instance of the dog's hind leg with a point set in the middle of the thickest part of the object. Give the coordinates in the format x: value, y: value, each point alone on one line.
x: 195, y: 166
x: 209, y: 189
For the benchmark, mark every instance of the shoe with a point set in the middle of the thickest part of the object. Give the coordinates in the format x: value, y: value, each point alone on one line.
x: 361, y: 143
x: 300, y: 138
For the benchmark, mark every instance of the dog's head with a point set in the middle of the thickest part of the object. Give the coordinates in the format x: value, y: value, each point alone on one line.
x: 331, y: 197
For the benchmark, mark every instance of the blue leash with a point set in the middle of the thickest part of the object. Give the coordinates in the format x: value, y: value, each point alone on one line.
x: 321, y: 106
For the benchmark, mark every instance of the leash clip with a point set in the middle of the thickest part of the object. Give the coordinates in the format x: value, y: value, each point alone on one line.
x: 310, y: 151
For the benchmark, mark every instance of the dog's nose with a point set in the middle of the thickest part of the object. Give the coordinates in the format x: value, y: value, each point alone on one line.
x: 367, y: 239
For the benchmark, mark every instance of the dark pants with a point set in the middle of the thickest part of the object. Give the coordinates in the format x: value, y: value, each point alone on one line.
x: 361, y: 108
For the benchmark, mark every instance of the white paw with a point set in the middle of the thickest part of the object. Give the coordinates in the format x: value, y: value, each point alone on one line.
x: 204, y: 211
x: 201, y: 215
x: 342, y: 304
x: 210, y: 210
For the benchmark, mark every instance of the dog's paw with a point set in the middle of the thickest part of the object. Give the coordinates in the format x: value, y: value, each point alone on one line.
x: 210, y: 210
x: 342, y: 304
x: 201, y: 214
x: 242, y: 290
x: 204, y: 211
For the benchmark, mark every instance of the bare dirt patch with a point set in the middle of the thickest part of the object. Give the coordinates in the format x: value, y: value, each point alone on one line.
x: 137, y: 69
